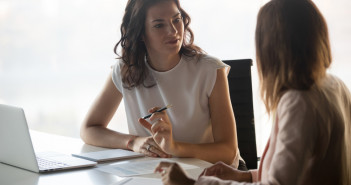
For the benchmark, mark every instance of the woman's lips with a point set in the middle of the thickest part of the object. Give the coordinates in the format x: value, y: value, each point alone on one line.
x: 172, y: 41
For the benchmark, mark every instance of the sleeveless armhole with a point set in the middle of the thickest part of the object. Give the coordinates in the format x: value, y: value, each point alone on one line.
x: 116, y: 76
x: 215, y: 65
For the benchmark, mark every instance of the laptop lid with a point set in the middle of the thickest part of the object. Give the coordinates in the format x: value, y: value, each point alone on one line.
x: 15, y: 142
x: 17, y: 149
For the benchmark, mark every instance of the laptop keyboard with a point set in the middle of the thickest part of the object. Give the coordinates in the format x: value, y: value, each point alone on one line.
x: 46, y: 164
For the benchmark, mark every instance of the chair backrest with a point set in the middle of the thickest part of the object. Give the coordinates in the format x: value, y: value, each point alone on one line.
x: 240, y: 88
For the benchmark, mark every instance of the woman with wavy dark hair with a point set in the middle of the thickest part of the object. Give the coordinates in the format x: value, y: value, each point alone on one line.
x: 159, y: 64
x: 134, y: 49
x: 310, y: 142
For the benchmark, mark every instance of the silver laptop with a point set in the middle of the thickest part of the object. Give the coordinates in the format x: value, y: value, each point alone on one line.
x: 16, y: 147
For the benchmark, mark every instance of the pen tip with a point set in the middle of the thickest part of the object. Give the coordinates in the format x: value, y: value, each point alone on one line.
x: 168, y: 106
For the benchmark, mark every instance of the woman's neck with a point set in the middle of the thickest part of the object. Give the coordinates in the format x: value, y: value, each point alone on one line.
x: 163, y: 63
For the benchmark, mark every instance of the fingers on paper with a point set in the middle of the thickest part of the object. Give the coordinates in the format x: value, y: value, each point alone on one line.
x: 152, y: 147
x: 212, y: 171
x: 162, y: 166
x: 158, y: 152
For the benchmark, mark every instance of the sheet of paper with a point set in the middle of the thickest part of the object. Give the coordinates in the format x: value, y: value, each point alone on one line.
x: 106, y: 155
x: 127, y: 169
x: 139, y: 181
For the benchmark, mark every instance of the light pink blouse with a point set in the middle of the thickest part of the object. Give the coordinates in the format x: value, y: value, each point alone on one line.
x: 310, y: 142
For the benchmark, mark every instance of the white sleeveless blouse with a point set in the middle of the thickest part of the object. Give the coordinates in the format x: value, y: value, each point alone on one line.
x: 187, y: 87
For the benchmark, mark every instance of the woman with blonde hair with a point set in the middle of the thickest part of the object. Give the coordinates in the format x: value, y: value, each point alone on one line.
x: 310, y: 141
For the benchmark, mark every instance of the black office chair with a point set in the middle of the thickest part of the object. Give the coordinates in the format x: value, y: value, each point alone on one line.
x: 240, y: 88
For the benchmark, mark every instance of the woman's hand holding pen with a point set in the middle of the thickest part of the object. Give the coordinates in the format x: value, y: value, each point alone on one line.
x: 161, y: 130
x: 147, y: 146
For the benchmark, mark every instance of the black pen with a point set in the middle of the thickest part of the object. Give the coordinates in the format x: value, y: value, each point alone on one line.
x: 159, y: 110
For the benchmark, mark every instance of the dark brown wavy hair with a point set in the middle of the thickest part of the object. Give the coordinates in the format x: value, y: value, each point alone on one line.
x: 292, y: 48
x: 134, y: 72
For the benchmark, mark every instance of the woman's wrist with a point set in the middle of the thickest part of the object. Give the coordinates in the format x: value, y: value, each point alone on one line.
x: 180, y: 149
x: 175, y: 149
x: 246, y: 176
x: 130, y: 142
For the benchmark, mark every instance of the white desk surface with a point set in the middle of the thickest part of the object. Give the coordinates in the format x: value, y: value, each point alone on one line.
x: 10, y: 175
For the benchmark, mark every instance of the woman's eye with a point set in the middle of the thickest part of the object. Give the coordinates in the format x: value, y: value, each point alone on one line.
x: 177, y: 20
x: 158, y: 25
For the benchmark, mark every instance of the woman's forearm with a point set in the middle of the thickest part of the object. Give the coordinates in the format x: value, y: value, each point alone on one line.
x: 210, y: 152
x: 104, y: 137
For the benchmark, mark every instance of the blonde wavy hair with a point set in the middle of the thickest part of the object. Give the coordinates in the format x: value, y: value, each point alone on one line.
x: 292, y: 48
